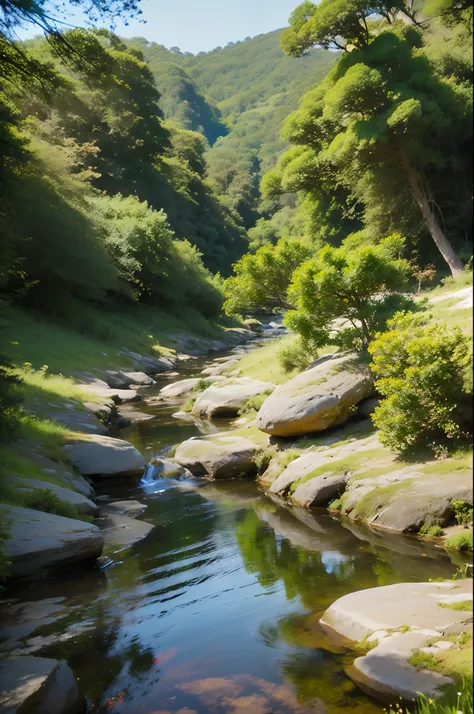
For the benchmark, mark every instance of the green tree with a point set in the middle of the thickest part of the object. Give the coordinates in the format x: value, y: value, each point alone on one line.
x: 381, y: 118
x: 261, y: 280
x: 424, y: 375
x: 357, y: 287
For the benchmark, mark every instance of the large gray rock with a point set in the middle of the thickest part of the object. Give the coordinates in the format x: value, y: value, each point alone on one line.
x: 320, y: 490
x: 41, y: 541
x: 61, y: 471
x: 123, y: 380
x: 149, y: 363
x: 119, y: 529
x: 164, y: 468
x: 220, y: 368
x: 218, y: 456
x: 37, y: 685
x: 226, y: 398
x: 406, y: 498
x: 101, y: 389
x: 317, y: 399
x: 102, y: 455
x: 83, y: 504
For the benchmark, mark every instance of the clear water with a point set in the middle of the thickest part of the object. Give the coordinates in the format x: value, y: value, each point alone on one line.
x: 216, y: 610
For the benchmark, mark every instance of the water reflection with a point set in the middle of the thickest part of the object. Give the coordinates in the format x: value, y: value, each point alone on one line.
x: 217, y: 610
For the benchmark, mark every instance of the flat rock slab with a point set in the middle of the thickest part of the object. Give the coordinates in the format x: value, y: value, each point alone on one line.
x: 83, y: 504
x: 386, y: 673
x: 101, y: 389
x: 130, y: 508
x: 38, y: 685
x: 165, y: 468
x: 317, y: 399
x: 225, y: 399
x: 123, y: 530
x: 392, y: 606
x: 102, y: 455
x: 218, y: 456
x: 42, y: 541
x: 221, y: 368
x: 123, y: 380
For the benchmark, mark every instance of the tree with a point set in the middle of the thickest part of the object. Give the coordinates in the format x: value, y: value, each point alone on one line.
x: 356, y: 287
x: 261, y: 280
x: 424, y: 375
x: 380, y: 119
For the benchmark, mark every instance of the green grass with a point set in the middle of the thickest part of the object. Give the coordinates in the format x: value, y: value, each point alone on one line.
x: 263, y: 362
x: 462, y: 605
x: 450, y: 284
x: 253, y: 404
x: 460, y: 542
x: 40, y: 499
x: 93, y: 338
x: 55, y: 387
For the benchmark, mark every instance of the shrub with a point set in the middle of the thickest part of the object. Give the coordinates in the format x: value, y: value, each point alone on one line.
x: 297, y: 356
x: 423, y: 374
x: 44, y: 499
x: 202, y: 385
x: 431, y: 531
x: 254, y: 403
x: 462, y: 510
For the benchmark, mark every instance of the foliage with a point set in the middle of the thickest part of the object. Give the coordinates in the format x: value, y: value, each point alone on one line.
x: 355, y: 286
x: 9, y: 401
x: 423, y: 374
x: 462, y: 510
x: 456, y: 698
x: 261, y: 280
x: 375, y: 126
x: 295, y: 356
x: 431, y: 531
x: 253, y: 404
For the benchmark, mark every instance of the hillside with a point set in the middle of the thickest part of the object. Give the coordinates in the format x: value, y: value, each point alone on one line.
x: 238, y: 97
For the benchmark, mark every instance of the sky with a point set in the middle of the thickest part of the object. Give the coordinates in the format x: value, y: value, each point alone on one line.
x: 200, y: 26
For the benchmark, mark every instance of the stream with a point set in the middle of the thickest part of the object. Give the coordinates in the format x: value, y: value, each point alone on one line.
x: 217, y: 610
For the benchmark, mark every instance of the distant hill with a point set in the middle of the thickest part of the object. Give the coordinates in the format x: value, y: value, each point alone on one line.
x: 238, y: 96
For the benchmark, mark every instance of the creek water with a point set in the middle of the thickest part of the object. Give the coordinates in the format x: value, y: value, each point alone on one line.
x: 217, y: 610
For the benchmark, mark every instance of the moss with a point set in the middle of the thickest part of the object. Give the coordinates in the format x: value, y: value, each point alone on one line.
x: 377, y: 498
x: 42, y: 499
x: 460, y: 541
x: 188, y: 406
x: 202, y: 384
x: 455, y: 662
x: 364, y: 646
x: 462, y: 605
x: 253, y: 404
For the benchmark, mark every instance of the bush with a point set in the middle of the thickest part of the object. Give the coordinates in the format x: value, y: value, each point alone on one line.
x: 297, y: 356
x: 462, y: 510
x: 9, y: 400
x: 423, y: 374
x: 431, y: 531
x: 44, y: 499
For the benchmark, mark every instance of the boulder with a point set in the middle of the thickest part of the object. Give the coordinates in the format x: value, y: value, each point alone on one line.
x: 149, y: 363
x: 130, y: 508
x: 123, y: 380
x: 102, y: 455
x: 219, y: 368
x: 83, y: 504
x: 320, y: 490
x: 225, y: 399
x: 406, y: 498
x: 59, y: 470
x: 163, y: 468
x: 38, y: 684
x: 184, y: 387
x: 101, y: 389
x: 317, y: 399
x: 218, y: 456
x: 41, y: 541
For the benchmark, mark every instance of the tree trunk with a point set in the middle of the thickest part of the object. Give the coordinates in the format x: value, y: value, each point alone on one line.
x: 443, y: 244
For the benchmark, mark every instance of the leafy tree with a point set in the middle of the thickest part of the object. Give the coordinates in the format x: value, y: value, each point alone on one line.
x: 379, y: 121
x: 357, y: 287
x: 261, y: 280
x: 424, y: 375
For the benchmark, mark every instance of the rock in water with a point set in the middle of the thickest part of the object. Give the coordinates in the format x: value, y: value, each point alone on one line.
x: 123, y: 380
x: 41, y: 541
x: 102, y: 455
x: 218, y: 456
x: 38, y: 685
x: 225, y: 399
x: 317, y: 399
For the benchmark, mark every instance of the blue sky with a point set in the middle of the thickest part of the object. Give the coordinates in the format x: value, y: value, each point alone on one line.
x: 195, y: 25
